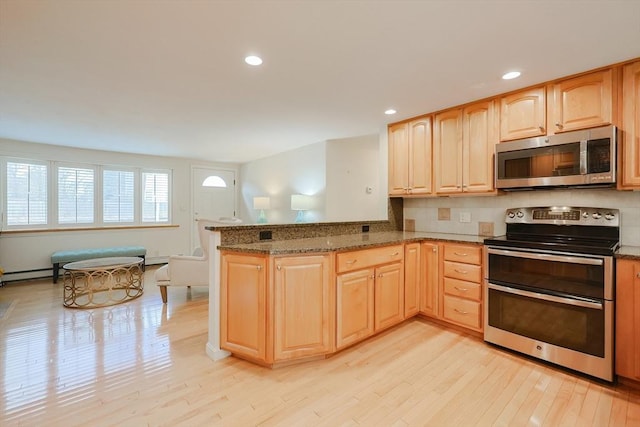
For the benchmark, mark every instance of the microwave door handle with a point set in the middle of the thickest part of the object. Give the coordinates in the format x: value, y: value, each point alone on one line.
x: 583, y: 157
x: 545, y: 297
x: 546, y: 257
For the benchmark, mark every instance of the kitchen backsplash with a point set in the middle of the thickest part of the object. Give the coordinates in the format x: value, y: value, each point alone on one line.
x: 489, y: 209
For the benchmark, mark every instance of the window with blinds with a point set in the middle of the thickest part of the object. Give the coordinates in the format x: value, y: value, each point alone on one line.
x: 118, y: 196
x: 26, y: 194
x: 75, y: 195
x: 155, y: 197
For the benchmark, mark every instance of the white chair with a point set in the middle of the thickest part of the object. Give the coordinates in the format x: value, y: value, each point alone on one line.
x: 185, y: 270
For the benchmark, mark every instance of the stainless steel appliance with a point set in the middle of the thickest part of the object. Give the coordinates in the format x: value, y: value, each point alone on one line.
x: 549, y: 286
x: 571, y: 159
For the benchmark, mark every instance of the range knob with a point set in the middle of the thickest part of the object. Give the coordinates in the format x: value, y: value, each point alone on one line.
x: 596, y: 215
x: 519, y: 214
x: 511, y: 215
x: 609, y: 216
x: 585, y: 214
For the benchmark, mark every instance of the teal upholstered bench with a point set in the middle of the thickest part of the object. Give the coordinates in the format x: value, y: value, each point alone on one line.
x: 62, y: 257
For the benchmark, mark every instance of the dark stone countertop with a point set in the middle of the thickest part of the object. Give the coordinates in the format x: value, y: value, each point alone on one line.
x: 347, y: 242
x: 628, y: 252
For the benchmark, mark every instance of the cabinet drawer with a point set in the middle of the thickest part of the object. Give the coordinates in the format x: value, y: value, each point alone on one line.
x: 466, y: 272
x: 463, y: 253
x: 356, y: 260
x: 460, y: 288
x: 462, y: 311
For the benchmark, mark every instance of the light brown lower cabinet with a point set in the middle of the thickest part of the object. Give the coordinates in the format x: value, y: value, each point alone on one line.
x: 243, y: 305
x: 275, y: 309
x: 354, y: 307
x: 412, y: 279
x: 429, y: 279
x: 628, y: 318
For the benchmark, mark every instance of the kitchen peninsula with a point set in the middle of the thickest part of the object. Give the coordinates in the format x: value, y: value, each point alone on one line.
x: 303, y: 298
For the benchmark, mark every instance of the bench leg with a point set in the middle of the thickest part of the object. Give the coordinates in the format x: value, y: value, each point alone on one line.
x: 144, y: 263
x: 163, y: 293
x: 56, y: 272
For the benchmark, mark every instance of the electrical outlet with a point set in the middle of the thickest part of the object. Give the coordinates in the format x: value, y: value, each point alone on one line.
x: 465, y: 216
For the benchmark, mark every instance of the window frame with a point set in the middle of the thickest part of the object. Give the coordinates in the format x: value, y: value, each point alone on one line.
x: 136, y: 194
x: 169, y: 174
x: 97, y: 195
x: 4, y: 200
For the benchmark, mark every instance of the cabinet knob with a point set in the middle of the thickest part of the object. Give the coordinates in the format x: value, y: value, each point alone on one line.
x: 380, y: 275
x: 541, y: 128
x: 259, y: 267
x: 279, y: 267
x: 434, y: 250
x: 638, y: 275
x: 558, y: 125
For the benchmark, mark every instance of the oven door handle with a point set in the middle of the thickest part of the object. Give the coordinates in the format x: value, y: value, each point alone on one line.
x: 545, y: 297
x: 547, y: 257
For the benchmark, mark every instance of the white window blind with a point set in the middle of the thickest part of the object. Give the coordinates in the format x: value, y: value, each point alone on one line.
x: 26, y: 194
x: 75, y: 195
x: 155, y: 197
x: 117, y: 196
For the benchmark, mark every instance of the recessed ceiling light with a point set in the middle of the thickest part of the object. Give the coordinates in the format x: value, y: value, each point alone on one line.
x: 511, y: 75
x: 390, y: 111
x: 253, y: 60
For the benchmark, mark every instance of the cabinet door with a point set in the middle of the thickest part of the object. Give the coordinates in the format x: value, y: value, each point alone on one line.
x: 630, y: 153
x: 628, y: 318
x: 523, y: 114
x: 389, y: 296
x: 447, y: 152
x: 302, y: 306
x: 412, y: 274
x: 243, y: 305
x: 583, y: 102
x: 420, y: 156
x: 429, y: 282
x: 354, y: 308
x: 479, y: 141
x: 398, y: 158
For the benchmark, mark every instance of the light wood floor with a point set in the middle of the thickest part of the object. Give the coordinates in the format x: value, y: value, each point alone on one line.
x: 144, y: 363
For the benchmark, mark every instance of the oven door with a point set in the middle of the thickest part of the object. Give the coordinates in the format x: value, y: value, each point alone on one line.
x: 530, y: 308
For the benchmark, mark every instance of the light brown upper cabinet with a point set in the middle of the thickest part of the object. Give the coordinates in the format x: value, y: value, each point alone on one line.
x: 463, y: 148
x: 582, y: 102
x: 630, y: 147
x: 523, y: 114
x: 410, y: 157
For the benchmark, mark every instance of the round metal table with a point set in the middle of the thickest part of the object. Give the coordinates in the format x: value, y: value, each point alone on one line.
x: 102, y: 282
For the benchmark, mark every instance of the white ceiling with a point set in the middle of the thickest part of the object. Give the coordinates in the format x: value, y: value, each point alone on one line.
x: 168, y: 77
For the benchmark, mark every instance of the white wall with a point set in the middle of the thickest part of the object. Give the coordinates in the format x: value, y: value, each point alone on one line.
x: 27, y: 251
x: 299, y: 171
x: 351, y: 169
x: 492, y: 209
x: 335, y: 172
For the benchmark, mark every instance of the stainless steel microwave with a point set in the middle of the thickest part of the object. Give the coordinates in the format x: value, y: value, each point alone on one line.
x: 572, y: 159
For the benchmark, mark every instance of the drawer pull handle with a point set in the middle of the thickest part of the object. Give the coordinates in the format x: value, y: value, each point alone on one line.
x: 460, y: 254
x: 460, y: 271
x: 395, y: 254
x: 461, y: 311
x: 351, y: 262
x: 461, y: 289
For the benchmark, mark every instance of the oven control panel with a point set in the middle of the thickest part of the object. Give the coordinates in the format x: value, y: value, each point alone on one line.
x: 564, y: 215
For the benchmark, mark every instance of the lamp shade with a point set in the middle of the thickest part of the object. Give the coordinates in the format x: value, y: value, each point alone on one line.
x: 301, y: 202
x: 261, y: 203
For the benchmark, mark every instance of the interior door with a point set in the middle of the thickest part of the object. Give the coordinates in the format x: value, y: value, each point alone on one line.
x: 212, y: 201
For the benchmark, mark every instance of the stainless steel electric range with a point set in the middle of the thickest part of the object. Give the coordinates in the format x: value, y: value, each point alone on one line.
x: 549, y: 286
